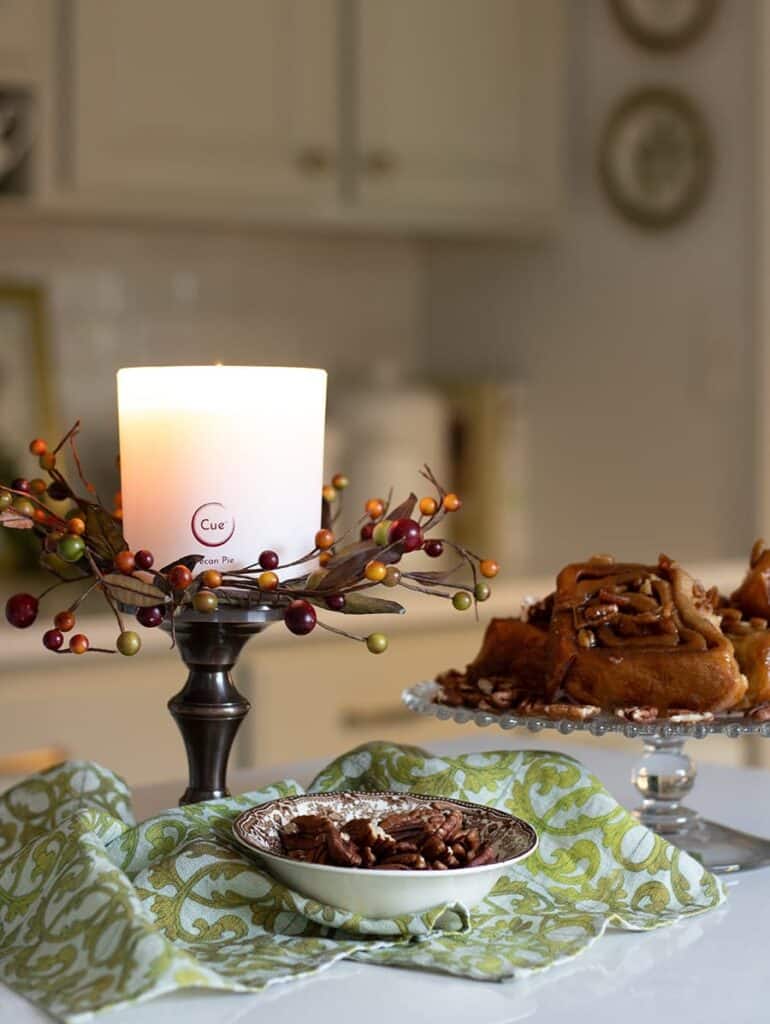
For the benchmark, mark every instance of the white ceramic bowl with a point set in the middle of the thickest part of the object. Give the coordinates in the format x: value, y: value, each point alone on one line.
x: 372, y: 892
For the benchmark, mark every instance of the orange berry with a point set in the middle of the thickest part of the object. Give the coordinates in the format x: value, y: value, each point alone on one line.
x: 488, y: 567
x: 375, y: 571
x: 375, y: 507
x: 77, y: 526
x: 40, y: 515
x: 124, y: 561
x: 324, y: 539
x: 64, y: 621
x: 211, y: 579
x: 79, y: 643
x: 117, y: 499
x: 180, y: 577
x: 117, y: 514
x: 38, y: 446
x: 38, y: 486
x: 452, y: 502
x: 267, y: 581
x: 428, y: 506
x: 47, y: 460
x: 324, y: 558
x: 328, y: 493
x: 340, y: 481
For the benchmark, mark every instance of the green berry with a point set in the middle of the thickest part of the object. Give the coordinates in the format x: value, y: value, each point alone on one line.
x: 205, y: 601
x: 129, y: 643
x: 377, y: 643
x: 24, y: 507
x: 380, y: 534
x: 392, y: 576
x: 71, y: 548
x: 482, y: 591
x: 5, y: 500
x: 462, y: 600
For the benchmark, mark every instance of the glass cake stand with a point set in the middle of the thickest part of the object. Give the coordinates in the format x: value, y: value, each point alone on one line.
x: 664, y: 774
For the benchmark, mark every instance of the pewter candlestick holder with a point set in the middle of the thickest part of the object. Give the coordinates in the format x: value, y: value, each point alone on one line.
x: 209, y: 709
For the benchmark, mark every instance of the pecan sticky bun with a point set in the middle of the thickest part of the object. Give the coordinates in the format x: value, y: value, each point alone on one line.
x: 624, y: 634
x: 753, y: 595
x: 640, y: 640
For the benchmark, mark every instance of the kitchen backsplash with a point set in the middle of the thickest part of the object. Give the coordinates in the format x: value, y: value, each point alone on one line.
x: 130, y: 296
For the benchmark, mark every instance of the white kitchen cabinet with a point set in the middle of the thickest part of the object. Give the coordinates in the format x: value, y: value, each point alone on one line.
x: 460, y: 111
x: 190, y: 102
x: 407, y: 115
x: 23, y: 40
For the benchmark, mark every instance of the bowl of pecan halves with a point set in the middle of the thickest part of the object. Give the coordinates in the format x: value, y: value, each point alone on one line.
x: 385, y: 854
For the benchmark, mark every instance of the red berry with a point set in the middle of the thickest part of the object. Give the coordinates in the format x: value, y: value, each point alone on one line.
x: 20, y: 484
x: 180, y: 577
x: 433, y: 548
x: 57, y: 491
x: 300, y: 617
x: 407, y: 533
x: 21, y: 610
x: 335, y: 602
x: 150, y: 617
x: 144, y: 559
x: 125, y: 562
x: 53, y: 639
x: 64, y: 621
x: 269, y: 560
x: 79, y: 643
x: 366, y: 531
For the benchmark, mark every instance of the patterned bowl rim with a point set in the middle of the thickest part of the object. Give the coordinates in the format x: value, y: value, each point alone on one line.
x: 247, y: 817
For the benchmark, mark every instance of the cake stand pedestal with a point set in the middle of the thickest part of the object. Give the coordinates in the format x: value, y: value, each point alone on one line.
x: 664, y: 774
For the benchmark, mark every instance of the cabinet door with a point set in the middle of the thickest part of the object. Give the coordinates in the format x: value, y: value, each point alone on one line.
x: 460, y: 104
x: 226, y: 101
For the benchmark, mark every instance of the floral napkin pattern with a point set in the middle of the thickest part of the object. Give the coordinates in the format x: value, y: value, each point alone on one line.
x: 97, y: 911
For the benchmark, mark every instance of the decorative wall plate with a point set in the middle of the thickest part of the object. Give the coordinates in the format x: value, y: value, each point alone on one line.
x: 664, y: 24
x: 655, y: 157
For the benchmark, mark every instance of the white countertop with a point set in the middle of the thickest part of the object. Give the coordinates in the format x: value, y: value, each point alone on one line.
x: 710, y: 968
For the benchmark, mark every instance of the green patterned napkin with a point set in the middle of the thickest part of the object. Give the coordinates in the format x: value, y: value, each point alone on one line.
x: 98, y: 912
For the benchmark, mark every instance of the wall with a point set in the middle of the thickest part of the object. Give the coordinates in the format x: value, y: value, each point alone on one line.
x: 123, y: 296
x: 636, y: 347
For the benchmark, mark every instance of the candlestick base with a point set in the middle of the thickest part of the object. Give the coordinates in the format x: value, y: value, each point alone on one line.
x: 209, y: 709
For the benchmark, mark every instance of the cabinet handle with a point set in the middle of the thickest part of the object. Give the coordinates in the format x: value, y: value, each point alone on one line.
x: 355, y: 718
x: 379, y: 162
x: 313, y: 160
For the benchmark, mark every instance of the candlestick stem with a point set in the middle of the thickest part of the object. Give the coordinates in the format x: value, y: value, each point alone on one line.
x: 209, y: 709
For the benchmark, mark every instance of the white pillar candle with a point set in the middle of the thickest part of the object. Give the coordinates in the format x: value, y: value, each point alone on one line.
x: 222, y: 461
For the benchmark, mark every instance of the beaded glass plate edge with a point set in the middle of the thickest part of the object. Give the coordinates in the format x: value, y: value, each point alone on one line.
x: 420, y: 699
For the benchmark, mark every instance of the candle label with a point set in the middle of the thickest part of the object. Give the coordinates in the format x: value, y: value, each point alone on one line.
x: 212, y: 524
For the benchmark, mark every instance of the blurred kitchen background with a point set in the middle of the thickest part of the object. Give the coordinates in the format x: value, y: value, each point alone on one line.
x: 526, y: 238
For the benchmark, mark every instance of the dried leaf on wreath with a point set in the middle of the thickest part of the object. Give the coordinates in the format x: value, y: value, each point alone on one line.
x: 405, y: 509
x: 135, y: 592
x: 347, y: 566
x: 190, y: 561
x: 62, y: 570
x: 433, y: 577
x: 14, y: 520
x: 105, y: 536
x: 361, y: 603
